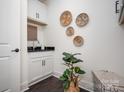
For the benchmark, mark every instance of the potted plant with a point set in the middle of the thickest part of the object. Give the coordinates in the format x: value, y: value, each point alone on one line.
x: 70, y: 76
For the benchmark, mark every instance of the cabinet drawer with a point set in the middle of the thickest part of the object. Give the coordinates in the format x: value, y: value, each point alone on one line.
x: 34, y: 55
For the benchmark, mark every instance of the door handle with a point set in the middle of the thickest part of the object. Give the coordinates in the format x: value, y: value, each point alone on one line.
x: 16, y: 50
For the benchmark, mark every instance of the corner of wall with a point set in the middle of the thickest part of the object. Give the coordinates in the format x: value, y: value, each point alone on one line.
x: 83, y: 83
x: 24, y: 86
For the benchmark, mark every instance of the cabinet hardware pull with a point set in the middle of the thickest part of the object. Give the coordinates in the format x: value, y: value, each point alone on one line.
x: 116, y: 7
x: 38, y: 15
x: 42, y: 62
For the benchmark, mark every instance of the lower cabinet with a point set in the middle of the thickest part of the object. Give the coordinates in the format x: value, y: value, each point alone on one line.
x: 35, y: 69
x: 47, y: 65
x: 39, y: 67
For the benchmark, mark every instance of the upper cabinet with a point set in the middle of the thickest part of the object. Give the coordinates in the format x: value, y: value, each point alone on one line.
x: 37, y: 12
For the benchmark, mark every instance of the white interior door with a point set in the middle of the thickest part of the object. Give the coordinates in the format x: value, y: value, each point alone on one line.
x: 9, y: 40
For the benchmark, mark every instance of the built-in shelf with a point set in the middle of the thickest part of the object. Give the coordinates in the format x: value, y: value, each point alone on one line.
x: 36, y: 21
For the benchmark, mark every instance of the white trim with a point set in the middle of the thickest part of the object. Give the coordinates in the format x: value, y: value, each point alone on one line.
x: 24, y: 89
x: 83, y: 84
x: 24, y: 86
x: 8, y: 90
x: 40, y: 79
x: 57, y: 74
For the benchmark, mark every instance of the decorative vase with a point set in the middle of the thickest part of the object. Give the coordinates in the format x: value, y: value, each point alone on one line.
x: 73, y: 87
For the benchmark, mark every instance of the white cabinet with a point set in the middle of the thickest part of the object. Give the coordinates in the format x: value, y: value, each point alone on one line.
x: 35, y: 68
x: 32, y: 8
x: 47, y: 65
x: 37, y: 10
x: 40, y: 65
x: 42, y: 12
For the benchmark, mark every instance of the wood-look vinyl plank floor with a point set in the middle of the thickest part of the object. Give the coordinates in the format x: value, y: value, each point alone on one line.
x: 51, y: 84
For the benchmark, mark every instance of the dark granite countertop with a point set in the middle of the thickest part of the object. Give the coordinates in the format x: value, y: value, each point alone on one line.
x: 38, y: 49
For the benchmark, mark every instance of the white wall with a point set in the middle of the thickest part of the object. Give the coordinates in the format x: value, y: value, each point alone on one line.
x: 103, y: 38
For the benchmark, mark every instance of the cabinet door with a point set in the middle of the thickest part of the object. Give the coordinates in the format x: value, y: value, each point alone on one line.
x: 42, y: 10
x: 37, y: 10
x: 35, y: 69
x: 47, y: 66
x: 32, y: 8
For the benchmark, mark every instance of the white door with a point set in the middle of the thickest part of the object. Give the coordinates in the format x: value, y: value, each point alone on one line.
x: 9, y: 40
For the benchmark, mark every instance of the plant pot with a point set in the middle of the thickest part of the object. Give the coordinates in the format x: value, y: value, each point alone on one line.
x: 73, y: 87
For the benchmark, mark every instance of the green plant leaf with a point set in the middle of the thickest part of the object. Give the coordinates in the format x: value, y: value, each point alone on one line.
x: 67, y: 55
x: 75, y: 60
x: 66, y: 84
x: 76, y: 54
x: 77, y: 69
x: 66, y: 59
x: 81, y: 72
x: 63, y: 78
x: 70, y: 58
x: 79, y: 60
x: 66, y: 73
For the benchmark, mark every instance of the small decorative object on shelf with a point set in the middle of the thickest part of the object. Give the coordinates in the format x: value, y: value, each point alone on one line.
x: 70, y: 31
x: 71, y: 75
x: 78, y: 41
x: 82, y: 19
x: 66, y: 18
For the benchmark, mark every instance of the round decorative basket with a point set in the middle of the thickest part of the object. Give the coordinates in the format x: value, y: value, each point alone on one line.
x: 66, y: 18
x: 70, y: 31
x: 78, y: 41
x: 82, y: 19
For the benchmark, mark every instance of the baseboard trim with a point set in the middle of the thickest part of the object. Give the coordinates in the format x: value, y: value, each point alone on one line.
x: 24, y: 90
x: 40, y: 79
x: 24, y: 86
x: 82, y: 84
x: 8, y: 90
